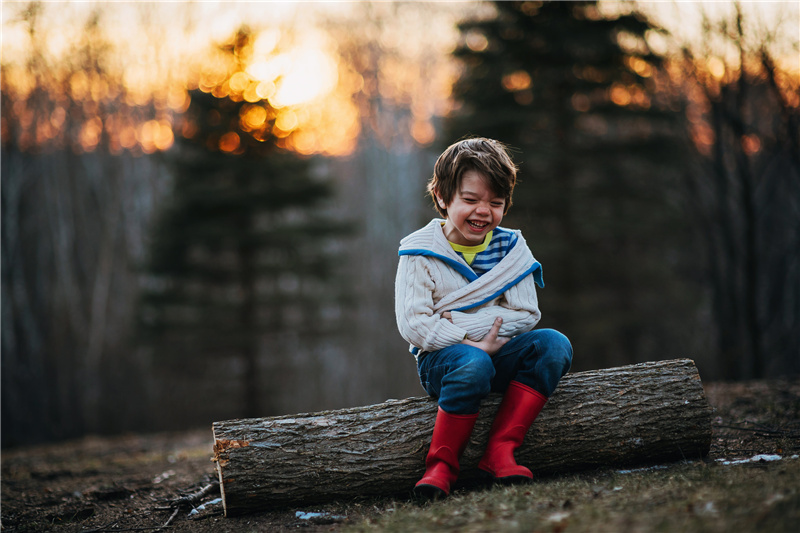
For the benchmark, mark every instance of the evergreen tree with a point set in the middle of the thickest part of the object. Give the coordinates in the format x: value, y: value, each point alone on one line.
x: 240, y: 277
x: 599, y: 140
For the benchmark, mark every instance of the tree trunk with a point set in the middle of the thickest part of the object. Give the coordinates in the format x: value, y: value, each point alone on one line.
x: 636, y: 414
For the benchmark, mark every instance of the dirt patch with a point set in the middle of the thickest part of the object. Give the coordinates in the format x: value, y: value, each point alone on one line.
x: 761, y: 417
x: 167, y: 481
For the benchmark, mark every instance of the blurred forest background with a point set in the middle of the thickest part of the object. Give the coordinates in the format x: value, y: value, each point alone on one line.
x: 202, y: 202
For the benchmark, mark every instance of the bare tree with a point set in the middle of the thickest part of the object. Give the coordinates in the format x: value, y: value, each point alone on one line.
x: 75, y: 212
x: 745, y: 191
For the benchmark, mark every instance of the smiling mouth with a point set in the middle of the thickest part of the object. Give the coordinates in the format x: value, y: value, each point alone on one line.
x: 477, y: 225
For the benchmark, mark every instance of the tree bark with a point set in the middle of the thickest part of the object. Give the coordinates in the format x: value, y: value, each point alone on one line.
x: 636, y: 414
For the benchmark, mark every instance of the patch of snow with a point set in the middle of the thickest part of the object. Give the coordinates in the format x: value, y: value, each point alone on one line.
x: 775, y: 498
x: 709, y: 509
x: 557, y: 517
x: 197, y: 509
x: 761, y: 458
x: 308, y: 516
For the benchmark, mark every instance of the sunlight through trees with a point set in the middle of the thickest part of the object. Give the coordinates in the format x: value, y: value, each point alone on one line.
x: 659, y: 185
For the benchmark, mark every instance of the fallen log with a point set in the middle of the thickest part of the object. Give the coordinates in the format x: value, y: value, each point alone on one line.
x: 632, y: 415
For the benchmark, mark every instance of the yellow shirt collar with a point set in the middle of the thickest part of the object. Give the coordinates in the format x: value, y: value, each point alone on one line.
x: 469, y: 252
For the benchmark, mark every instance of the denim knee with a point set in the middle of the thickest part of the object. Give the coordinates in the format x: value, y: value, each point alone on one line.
x: 473, y: 369
x: 555, y: 360
x: 559, y: 349
x: 538, y: 359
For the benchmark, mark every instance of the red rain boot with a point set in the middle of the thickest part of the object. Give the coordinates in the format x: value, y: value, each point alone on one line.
x: 450, y: 436
x: 519, y: 408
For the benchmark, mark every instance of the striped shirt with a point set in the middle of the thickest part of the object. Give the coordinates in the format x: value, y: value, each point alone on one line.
x: 486, y: 255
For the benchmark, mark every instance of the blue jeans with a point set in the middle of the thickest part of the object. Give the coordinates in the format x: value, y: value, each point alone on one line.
x: 460, y: 376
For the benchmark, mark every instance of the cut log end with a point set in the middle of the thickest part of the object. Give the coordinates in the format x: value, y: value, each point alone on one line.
x: 636, y: 414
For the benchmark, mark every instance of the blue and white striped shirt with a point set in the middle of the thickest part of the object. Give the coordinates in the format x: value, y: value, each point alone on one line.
x: 485, y: 256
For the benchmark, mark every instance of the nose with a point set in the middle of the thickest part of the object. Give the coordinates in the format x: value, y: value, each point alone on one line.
x: 483, y: 209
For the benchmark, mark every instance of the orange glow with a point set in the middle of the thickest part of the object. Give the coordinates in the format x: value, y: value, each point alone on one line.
x: 751, y: 144
x: 629, y: 95
x: 639, y: 97
x: 189, y: 129
x: 306, y: 80
x: 517, y: 81
x: 287, y: 121
x: 79, y: 85
x: 620, y: 95
x: 253, y: 117
x: 772, y: 23
x: 300, y: 84
x: 58, y: 117
x: 178, y: 99
x: 703, y: 137
x: 423, y: 132
x: 716, y: 67
x: 127, y: 137
x: 229, y: 142
x: 155, y: 135
x: 89, y: 135
x: 639, y: 66
x: 265, y: 90
x: 301, y: 96
x: 300, y: 81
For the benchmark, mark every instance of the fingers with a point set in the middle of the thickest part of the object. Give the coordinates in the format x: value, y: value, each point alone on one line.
x: 492, y: 341
x: 495, y: 340
x: 494, y: 331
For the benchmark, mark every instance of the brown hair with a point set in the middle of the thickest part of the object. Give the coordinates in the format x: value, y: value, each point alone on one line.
x: 487, y: 156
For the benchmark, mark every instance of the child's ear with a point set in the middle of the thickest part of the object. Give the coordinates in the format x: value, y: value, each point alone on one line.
x: 440, y: 200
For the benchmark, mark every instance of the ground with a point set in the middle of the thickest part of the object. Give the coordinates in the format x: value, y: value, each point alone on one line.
x: 157, y: 482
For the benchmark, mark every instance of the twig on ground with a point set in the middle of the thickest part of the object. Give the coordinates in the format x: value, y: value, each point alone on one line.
x: 171, y: 518
x: 102, y: 528
x: 195, y: 497
x: 105, y: 530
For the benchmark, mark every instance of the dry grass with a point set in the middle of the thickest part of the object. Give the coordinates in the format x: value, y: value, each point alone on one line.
x: 701, y: 496
x: 126, y: 484
x: 686, y: 497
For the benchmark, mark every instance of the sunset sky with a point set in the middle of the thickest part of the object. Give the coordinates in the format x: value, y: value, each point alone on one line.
x: 164, y: 48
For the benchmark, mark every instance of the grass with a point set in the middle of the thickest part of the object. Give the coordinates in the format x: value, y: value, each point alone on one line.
x: 686, y: 497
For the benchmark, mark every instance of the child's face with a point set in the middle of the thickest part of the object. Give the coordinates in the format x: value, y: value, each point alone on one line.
x: 474, y: 211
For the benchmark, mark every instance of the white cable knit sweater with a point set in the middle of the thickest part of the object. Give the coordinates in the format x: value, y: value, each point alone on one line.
x: 432, y: 278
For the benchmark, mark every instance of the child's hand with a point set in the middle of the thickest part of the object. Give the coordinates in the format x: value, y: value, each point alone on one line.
x: 491, y: 342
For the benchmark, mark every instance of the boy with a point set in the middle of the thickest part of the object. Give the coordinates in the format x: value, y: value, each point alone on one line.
x: 465, y: 299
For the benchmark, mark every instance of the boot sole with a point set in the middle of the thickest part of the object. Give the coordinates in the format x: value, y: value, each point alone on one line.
x: 488, y: 478
x: 428, y: 493
x: 512, y: 480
